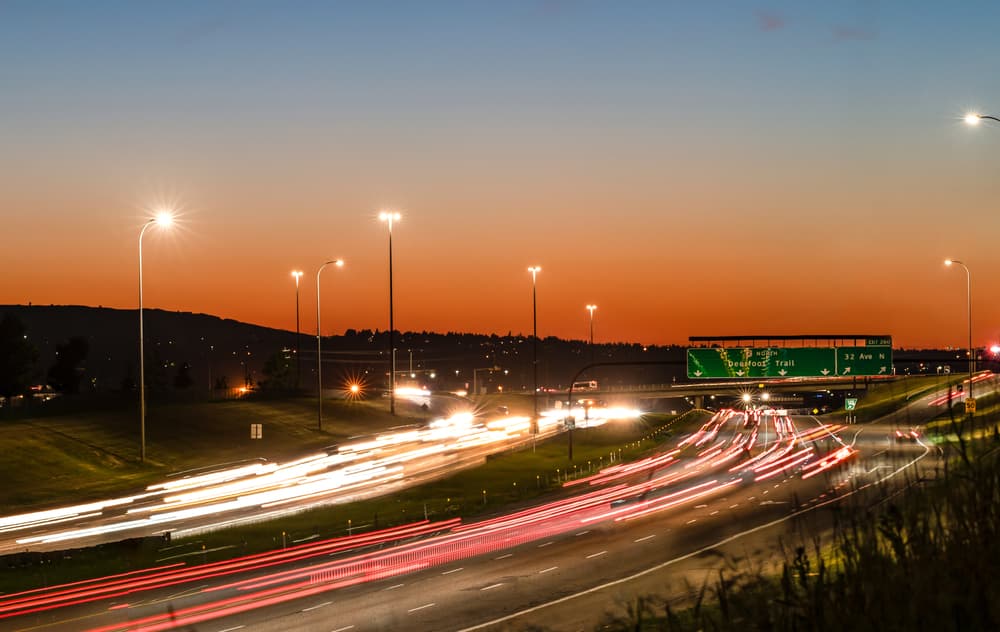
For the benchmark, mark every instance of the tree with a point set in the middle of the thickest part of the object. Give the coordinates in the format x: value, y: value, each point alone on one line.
x: 67, y: 372
x: 278, y: 373
x: 17, y: 357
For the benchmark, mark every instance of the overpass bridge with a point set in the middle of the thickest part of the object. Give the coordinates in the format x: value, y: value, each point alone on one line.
x: 790, y: 391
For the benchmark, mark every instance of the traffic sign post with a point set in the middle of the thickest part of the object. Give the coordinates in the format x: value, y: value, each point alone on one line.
x: 970, y: 406
x: 850, y: 403
x: 782, y: 362
x: 751, y: 362
x: 864, y: 360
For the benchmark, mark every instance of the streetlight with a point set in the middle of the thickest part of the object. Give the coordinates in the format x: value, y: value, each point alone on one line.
x: 534, y: 270
x: 591, y: 308
x: 389, y: 217
x: 319, y: 347
x: 973, y: 118
x: 968, y: 299
x: 164, y: 220
x: 298, y: 356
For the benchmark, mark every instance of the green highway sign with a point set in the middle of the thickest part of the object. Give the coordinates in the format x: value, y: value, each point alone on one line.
x: 850, y: 403
x: 750, y: 362
x: 864, y: 360
x: 781, y: 362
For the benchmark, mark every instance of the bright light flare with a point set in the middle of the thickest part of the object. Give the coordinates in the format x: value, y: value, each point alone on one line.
x: 972, y: 118
x: 164, y: 219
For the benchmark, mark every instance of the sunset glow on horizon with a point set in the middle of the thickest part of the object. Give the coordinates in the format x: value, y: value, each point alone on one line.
x: 693, y: 170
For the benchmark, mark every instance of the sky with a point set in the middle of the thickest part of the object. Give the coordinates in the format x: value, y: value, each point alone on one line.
x: 693, y: 169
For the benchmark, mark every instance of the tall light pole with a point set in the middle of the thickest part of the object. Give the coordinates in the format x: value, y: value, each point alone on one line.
x: 591, y: 308
x: 162, y: 219
x: 534, y: 270
x: 968, y: 303
x: 298, y: 356
x: 319, y: 346
x: 389, y: 217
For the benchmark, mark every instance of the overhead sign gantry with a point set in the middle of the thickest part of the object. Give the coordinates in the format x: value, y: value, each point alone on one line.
x: 789, y: 356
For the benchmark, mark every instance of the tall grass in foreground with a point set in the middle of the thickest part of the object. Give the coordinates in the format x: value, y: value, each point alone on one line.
x: 926, y: 559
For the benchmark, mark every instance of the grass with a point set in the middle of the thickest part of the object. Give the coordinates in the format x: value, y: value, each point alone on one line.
x: 94, y: 454
x: 517, y: 477
x: 883, y: 398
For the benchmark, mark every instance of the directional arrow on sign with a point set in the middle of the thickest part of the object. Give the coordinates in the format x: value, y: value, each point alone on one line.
x: 881, y: 370
x: 847, y: 370
x: 782, y: 372
x: 825, y: 371
x: 740, y: 373
x: 697, y: 373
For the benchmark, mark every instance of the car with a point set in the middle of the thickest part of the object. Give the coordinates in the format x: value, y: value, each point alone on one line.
x: 905, y: 436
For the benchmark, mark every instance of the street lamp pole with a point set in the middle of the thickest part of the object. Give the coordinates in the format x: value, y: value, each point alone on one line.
x: 591, y: 308
x: 319, y: 347
x: 389, y: 217
x: 968, y: 308
x: 298, y: 355
x: 162, y: 219
x: 534, y: 270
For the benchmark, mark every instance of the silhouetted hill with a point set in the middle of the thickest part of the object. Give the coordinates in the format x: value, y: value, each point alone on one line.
x: 222, y: 348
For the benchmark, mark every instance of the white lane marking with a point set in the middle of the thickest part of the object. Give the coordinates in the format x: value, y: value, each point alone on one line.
x: 492, y: 586
x: 692, y: 521
x: 238, y: 627
x: 643, y: 539
x: 734, y: 506
x: 551, y: 568
x: 395, y: 587
x: 454, y: 570
x: 346, y: 627
x: 714, y: 512
x: 661, y: 566
x: 503, y: 557
x: 583, y: 532
x: 700, y: 506
x: 426, y: 605
x: 542, y: 546
x: 596, y: 554
x: 317, y: 606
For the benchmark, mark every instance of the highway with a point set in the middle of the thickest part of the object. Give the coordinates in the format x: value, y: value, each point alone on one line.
x: 251, y: 492
x: 721, y: 484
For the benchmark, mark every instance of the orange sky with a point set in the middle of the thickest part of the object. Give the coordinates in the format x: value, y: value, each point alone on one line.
x: 696, y: 174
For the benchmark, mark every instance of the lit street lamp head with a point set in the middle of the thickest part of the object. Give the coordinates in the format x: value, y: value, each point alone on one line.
x: 972, y: 118
x: 164, y: 219
x: 298, y: 275
x: 389, y: 217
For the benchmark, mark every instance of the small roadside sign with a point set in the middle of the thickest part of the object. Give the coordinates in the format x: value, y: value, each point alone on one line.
x: 256, y: 431
x: 970, y: 405
x: 850, y: 403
